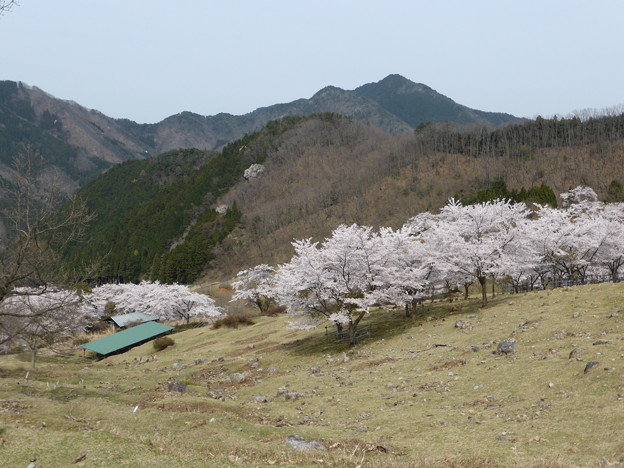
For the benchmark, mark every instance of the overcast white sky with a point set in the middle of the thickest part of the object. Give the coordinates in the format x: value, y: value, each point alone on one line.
x: 148, y: 59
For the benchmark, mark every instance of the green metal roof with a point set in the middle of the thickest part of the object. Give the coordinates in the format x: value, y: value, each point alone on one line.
x: 115, y: 342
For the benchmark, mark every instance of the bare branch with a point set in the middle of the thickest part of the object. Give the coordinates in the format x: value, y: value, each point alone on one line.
x: 6, y: 5
x: 40, y: 222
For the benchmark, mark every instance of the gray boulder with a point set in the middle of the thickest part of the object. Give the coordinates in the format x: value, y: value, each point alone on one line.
x: 507, y: 346
x: 299, y: 443
x: 589, y: 365
x: 175, y: 386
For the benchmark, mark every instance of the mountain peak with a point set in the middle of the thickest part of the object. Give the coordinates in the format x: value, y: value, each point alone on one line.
x: 398, y: 84
x: 416, y: 103
x: 395, y: 79
x: 328, y: 91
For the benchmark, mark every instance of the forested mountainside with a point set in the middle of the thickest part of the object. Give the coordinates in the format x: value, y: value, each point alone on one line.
x: 81, y: 143
x: 74, y: 143
x: 155, y: 216
x: 322, y: 171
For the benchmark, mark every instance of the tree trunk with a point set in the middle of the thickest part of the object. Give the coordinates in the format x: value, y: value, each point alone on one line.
x: 353, y: 327
x: 33, y: 358
x: 466, y: 287
x: 483, y: 290
x: 338, y: 327
x: 408, y: 312
x: 352, y: 336
x: 613, y: 269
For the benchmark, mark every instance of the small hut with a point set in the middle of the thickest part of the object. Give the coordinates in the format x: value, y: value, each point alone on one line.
x: 124, y: 340
x: 134, y: 318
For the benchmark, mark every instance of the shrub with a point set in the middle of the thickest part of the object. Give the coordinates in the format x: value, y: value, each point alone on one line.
x: 232, y: 321
x: 188, y: 326
x: 99, y: 326
x: 162, y: 343
x: 80, y: 340
x: 275, y: 310
x: 109, y: 308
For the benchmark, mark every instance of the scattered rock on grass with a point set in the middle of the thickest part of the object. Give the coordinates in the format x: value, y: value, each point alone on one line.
x: 216, y: 394
x: 461, y: 324
x: 293, y: 395
x: 175, y: 386
x: 507, y: 346
x: 589, y: 365
x: 260, y: 399
x: 299, y: 443
x: 601, y: 342
x: 237, y: 377
x: 254, y: 362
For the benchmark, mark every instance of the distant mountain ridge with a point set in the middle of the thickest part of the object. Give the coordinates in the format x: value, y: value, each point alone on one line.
x: 416, y: 103
x: 81, y: 142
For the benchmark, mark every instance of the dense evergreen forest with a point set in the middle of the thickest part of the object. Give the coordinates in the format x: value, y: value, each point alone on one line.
x: 498, y: 190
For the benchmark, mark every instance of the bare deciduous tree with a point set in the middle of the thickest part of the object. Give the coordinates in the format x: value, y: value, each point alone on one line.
x: 40, y: 220
x: 43, y: 320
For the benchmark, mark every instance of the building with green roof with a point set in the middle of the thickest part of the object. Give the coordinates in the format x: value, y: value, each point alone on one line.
x: 124, y: 340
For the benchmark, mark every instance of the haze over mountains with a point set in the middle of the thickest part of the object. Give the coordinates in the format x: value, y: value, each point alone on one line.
x: 82, y: 142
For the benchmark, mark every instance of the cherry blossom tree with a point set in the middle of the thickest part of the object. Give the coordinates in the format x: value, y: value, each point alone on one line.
x: 166, y: 301
x: 581, y: 195
x: 471, y: 240
x: 570, y: 239
x: 526, y: 256
x: 351, y: 272
x: 400, y: 269
x: 43, y: 319
x: 601, y: 245
x: 356, y: 269
x: 255, y: 285
x: 330, y: 280
x: 184, y: 303
x: 300, y: 287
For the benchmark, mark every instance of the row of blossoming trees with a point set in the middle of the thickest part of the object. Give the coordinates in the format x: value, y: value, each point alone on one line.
x: 357, y: 268
x: 36, y: 318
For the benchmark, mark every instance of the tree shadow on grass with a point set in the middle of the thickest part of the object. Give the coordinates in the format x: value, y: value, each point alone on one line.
x: 389, y: 323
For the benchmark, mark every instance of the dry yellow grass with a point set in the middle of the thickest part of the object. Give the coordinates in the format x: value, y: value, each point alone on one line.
x: 416, y: 392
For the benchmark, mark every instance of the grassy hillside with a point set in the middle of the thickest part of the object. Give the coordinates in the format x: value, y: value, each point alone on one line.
x: 416, y: 392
